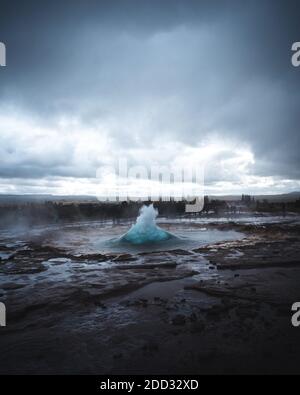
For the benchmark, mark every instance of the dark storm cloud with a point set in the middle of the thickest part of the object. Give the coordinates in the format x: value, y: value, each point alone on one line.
x: 183, y: 71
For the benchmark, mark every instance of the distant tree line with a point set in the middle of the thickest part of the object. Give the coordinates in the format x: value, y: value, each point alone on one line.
x: 55, y: 212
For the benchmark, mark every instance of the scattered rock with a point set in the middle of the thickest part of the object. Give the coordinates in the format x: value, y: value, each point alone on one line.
x: 124, y: 258
x: 193, y: 317
x: 179, y: 319
x: 148, y: 266
x: 180, y: 252
x: 11, y: 286
x: 197, y: 327
x: 118, y: 356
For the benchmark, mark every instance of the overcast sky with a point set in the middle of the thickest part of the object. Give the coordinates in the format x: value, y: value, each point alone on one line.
x: 87, y: 82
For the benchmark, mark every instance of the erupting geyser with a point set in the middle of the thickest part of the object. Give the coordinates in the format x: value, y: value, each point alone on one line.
x: 145, y: 229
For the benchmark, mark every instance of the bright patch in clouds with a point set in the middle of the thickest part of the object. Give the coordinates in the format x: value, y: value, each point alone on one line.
x: 63, y: 157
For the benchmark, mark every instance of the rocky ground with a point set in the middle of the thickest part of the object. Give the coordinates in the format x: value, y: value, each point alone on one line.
x: 222, y: 308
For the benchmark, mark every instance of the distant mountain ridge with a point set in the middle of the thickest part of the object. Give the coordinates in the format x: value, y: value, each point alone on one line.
x: 284, y: 197
x: 41, y: 198
x: 44, y: 198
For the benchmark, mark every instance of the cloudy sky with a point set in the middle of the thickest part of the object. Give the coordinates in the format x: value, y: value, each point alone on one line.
x: 88, y: 82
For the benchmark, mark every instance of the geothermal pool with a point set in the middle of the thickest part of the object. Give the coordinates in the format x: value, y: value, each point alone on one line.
x: 106, y: 239
x: 146, y: 235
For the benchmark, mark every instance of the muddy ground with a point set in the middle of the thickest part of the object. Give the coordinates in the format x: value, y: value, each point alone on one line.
x: 221, y: 308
